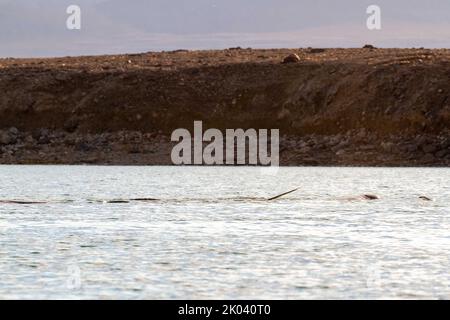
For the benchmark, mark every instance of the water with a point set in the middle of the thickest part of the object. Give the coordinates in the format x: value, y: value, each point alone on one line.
x: 212, y: 234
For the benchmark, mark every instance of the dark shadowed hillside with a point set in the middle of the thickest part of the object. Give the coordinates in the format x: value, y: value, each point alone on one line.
x: 333, y: 107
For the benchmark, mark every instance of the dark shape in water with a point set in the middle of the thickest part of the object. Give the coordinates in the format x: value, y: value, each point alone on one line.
x: 118, y: 201
x: 283, y: 194
x: 144, y: 199
x: 20, y: 202
x: 424, y: 198
x: 370, y: 197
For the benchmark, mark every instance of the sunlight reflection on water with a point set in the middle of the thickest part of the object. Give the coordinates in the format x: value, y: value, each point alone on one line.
x: 212, y: 234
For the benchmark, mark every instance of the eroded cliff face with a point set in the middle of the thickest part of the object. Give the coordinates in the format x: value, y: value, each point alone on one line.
x: 362, y: 97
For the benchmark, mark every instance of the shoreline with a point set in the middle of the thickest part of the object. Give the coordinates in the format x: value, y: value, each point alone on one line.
x: 133, y: 148
x: 334, y: 107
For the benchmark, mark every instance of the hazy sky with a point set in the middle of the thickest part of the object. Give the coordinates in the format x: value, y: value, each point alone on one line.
x: 38, y: 27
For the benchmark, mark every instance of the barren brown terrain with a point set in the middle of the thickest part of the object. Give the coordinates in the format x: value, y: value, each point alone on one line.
x: 368, y: 106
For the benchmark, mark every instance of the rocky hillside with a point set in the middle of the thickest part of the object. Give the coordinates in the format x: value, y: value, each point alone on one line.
x: 333, y: 107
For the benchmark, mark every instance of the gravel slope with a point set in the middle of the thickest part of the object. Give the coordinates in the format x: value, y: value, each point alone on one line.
x: 333, y: 107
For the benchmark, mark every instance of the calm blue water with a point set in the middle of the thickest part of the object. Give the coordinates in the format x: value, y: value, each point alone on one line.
x: 213, y: 234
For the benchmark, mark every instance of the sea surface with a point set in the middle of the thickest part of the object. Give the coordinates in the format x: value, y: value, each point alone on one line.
x: 210, y: 233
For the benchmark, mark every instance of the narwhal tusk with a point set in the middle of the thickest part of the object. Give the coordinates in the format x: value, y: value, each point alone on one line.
x: 283, y: 194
